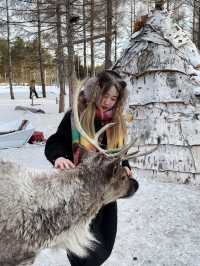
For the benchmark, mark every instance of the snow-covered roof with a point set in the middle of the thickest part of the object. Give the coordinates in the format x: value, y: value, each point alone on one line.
x: 159, y: 46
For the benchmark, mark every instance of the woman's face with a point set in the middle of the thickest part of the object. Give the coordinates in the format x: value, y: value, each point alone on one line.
x: 109, y: 99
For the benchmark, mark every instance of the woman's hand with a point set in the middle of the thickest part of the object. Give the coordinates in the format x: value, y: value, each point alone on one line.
x: 63, y: 163
x: 128, y: 171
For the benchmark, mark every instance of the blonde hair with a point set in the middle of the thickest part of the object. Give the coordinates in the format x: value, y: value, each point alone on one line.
x: 115, y: 135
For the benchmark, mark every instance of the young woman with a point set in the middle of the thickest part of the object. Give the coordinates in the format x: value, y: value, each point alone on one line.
x: 102, y: 102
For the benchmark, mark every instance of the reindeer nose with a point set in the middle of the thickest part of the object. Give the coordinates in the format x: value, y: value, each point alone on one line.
x: 132, y: 188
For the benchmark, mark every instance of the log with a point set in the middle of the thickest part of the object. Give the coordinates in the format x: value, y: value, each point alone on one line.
x: 32, y: 110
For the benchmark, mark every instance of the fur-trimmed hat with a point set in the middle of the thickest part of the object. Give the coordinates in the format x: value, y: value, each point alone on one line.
x: 97, y: 83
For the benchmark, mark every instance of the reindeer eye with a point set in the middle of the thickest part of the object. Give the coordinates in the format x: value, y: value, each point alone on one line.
x: 123, y: 178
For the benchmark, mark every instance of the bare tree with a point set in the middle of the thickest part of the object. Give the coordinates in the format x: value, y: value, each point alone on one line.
x: 115, y: 31
x: 108, y: 34
x: 40, y: 57
x: 91, y: 37
x: 198, y: 34
x: 84, y: 37
x: 60, y: 59
x: 70, y: 48
x: 9, y: 52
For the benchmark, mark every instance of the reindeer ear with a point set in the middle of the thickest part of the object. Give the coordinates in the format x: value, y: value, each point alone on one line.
x: 112, y: 166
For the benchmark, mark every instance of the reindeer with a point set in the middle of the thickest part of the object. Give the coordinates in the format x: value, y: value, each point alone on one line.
x: 53, y: 208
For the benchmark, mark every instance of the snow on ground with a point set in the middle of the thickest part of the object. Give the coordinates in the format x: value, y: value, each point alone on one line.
x: 159, y: 226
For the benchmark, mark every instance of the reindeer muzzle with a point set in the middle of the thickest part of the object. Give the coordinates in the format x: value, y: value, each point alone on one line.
x: 132, y: 188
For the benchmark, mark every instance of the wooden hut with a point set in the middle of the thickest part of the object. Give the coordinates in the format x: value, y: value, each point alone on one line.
x: 160, y: 67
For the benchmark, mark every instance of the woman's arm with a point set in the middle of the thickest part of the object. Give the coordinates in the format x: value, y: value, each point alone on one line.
x: 60, y: 143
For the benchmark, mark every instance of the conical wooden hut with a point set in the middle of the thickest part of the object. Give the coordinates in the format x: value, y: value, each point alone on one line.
x: 160, y: 67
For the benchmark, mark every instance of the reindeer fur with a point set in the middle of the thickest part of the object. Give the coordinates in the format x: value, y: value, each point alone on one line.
x: 53, y: 208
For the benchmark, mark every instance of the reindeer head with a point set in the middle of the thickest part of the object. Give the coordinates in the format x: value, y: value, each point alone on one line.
x: 117, y: 183
x: 106, y: 176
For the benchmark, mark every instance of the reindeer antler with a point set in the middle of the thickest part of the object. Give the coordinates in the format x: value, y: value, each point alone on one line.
x: 137, y: 154
x: 122, y: 152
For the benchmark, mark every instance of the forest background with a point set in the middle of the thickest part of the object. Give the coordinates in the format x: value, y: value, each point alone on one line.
x: 60, y: 41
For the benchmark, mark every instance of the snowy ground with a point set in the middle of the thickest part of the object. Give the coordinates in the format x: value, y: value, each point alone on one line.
x: 159, y: 226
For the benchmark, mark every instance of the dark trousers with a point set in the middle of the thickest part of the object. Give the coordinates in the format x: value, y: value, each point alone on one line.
x: 104, y: 228
x: 33, y: 92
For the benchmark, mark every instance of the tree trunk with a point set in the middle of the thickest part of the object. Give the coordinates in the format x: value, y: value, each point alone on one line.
x: 194, y: 17
x: 9, y: 54
x: 84, y: 42
x: 108, y: 34
x: 198, y: 40
x: 91, y: 37
x: 115, y: 31
x: 116, y: 40
x: 70, y: 48
x: 40, y: 51
x: 60, y: 60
